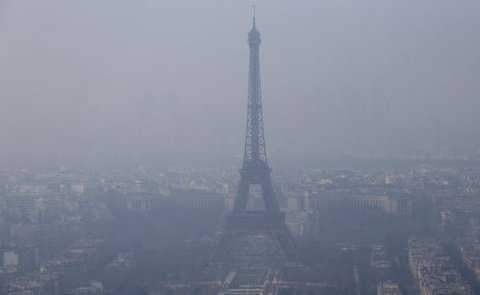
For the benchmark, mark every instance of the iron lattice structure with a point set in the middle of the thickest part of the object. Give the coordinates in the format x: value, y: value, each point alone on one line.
x: 255, y: 171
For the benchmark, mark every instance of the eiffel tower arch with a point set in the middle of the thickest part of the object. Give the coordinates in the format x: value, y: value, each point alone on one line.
x: 255, y: 171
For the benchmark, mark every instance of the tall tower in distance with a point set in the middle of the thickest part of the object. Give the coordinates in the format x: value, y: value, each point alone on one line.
x: 255, y: 171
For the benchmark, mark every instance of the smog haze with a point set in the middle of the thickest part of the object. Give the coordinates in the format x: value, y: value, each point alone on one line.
x: 169, y: 78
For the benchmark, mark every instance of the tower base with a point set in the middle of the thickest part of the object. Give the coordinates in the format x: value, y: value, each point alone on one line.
x: 251, y: 223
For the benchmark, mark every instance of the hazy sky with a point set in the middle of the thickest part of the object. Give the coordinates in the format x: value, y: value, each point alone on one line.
x: 170, y: 77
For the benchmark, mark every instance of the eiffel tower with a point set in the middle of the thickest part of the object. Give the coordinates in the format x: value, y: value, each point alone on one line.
x: 255, y: 171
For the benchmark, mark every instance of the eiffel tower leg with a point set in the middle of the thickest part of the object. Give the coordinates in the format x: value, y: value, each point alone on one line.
x: 288, y: 244
x: 242, y: 196
x: 269, y: 195
x: 223, y: 246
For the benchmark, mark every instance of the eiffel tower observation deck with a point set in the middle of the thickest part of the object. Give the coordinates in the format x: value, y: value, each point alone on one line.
x: 263, y: 225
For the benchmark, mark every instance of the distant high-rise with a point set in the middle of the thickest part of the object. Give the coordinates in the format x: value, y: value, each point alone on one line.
x: 255, y: 171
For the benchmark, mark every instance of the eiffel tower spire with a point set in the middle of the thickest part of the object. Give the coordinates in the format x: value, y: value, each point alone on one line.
x: 255, y: 150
